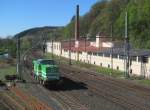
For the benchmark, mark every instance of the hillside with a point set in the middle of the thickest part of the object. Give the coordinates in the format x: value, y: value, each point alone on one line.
x: 41, y: 31
x: 105, y: 13
x: 101, y: 17
x: 31, y: 37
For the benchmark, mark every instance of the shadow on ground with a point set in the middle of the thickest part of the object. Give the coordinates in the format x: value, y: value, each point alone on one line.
x: 66, y: 84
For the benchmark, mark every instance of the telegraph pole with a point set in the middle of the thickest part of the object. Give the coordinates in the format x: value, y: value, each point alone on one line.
x: 52, y: 49
x: 111, y: 49
x: 127, y: 48
x: 18, y: 58
x: 85, y: 43
x: 69, y: 50
x: 77, y: 23
x: 77, y: 33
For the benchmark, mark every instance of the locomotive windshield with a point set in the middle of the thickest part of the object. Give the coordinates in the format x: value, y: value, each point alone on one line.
x: 52, y: 70
x: 48, y: 62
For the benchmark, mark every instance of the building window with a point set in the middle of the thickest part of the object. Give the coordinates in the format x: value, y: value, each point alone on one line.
x: 107, y: 55
x: 144, y: 59
x: 121, y: 57
x: 115, y: 56
x: 133, y: 58
x: 100, y: 54
x: 57, y: 47
x: 95, y: 54
x: 131, y: 71
x: 90, y: 53
x: 139, y: 59
x: 117, y: 67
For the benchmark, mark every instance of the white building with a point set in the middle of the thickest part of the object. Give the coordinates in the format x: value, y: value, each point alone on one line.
x: 104, y: 53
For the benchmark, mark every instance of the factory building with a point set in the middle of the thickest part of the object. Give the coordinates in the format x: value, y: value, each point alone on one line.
x: 104, y: 53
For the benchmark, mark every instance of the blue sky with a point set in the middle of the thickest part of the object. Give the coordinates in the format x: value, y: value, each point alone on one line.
x: 19, y: 15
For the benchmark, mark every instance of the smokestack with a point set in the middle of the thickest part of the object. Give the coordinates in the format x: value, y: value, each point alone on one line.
x: 77, y: 24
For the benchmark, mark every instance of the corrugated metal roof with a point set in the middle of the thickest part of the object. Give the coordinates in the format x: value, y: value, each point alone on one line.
x: 121, y: 51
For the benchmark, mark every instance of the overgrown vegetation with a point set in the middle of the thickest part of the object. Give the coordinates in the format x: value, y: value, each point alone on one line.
x: 100, y: 18
x: 101, y: 70
x: 144, y: 81
x: 112, y: 12
x: 8, y: 45
x: 9, y: 70
x: 44, y: 33
x: 7, y: 67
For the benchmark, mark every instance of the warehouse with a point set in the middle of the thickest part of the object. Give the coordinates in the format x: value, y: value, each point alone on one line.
x: 104, y: 53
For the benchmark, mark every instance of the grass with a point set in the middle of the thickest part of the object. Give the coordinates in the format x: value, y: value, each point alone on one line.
x: 144, y: 81
x: 102, y: 70
x: 9, y: 70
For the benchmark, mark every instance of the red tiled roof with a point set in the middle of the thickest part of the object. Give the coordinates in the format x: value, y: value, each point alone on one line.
x: 81, y: 47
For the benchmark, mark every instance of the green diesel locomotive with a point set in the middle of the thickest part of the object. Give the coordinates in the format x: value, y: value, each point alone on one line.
x: 45, y: 71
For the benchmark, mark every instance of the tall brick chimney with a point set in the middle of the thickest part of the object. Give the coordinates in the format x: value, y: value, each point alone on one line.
x: 77, y: 24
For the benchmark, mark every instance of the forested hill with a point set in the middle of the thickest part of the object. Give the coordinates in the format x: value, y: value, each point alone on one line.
x: 101, y: 16
x: 107, y: 12
x: 46, y: 31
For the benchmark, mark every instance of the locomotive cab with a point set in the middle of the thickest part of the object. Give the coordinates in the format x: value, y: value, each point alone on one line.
x: 46, y: 70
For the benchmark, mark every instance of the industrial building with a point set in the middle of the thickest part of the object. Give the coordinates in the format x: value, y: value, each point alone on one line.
x: 104, y: 52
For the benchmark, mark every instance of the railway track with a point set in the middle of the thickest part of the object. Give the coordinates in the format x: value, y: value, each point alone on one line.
x: 38, y: 91
x: 10, y: 103
x: 65, y: 101
x: 31, y: 101
x: 107, y: 93
x: 117, y: 85
x: 68, y: 102
x: 117, y: 92
x: 139, y: 90
x: 107, y: 89
x: 4, y: 106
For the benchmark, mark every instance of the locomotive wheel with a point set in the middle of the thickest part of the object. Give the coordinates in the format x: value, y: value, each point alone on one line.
x: 43, y: 82
x: 35, y: 77
x: 40, y: 81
